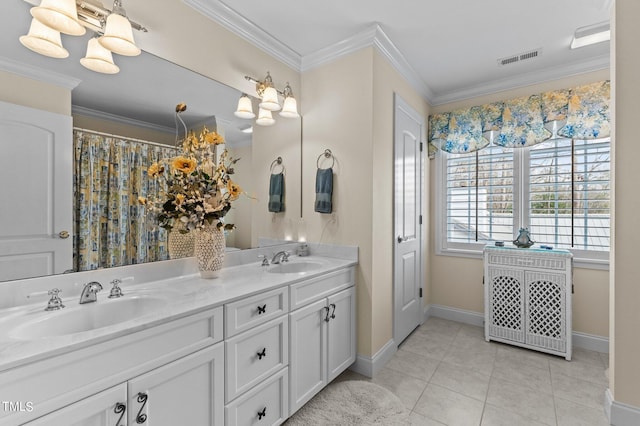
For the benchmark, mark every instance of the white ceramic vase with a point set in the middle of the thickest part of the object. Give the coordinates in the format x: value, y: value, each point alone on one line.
x: 210, y: 247
x: 180, y: 244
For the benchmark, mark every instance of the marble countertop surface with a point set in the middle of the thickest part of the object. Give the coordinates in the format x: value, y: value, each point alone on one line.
x: 184, y: 295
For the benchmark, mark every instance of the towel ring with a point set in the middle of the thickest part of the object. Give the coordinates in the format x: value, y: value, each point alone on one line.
x: 326, y: 154
x: 275, y: 163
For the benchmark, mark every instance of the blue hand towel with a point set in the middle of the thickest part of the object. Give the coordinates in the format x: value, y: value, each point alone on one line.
x: 324, y: 190
x: 276, y: 193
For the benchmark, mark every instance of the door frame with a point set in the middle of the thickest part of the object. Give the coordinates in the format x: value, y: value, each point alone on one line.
x: 400, y: 103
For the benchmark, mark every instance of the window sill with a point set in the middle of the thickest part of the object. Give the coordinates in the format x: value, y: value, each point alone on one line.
x: 578, y: 262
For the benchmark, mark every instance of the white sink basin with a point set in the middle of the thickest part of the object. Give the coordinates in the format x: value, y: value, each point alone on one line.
x: 90, y: 316
x: 295, y: 267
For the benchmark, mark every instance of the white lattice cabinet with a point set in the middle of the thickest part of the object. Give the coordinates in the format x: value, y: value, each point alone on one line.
x: 527, y: 298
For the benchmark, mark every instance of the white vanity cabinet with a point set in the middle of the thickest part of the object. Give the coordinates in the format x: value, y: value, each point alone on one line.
x: 323, y: 340
x: 187, y: 391
x: 528, y: 298
x: 257, y: 359
x: 179, y: 366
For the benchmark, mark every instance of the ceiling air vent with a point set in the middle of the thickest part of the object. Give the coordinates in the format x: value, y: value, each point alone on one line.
x: 520, y: 57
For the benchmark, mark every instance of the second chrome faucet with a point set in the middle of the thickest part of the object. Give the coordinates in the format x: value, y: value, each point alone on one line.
x: 89, y: 292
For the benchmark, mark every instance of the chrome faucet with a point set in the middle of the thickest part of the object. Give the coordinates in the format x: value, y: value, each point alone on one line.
x: 89, y: 292
x: 281, y: 256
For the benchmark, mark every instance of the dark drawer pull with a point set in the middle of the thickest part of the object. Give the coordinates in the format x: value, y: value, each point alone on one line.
x: 142, y: 399
x: 262, y: 309
x: 333, y: 313
x: 326, y: 318
x: 262, y: 354
x: 120, y: 408
x: 262, y: 413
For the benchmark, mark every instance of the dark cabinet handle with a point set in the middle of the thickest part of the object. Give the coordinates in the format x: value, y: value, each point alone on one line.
x: 333, y: 313
x: 120, y: 408
x: 262, y: 413
x: 262, y: 354
x: 326, y: 318
x: 262, y: 309
x: 142, y: 399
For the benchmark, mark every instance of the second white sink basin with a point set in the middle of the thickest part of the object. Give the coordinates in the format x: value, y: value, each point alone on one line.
x: 90, y: 316
x: 295, y: 267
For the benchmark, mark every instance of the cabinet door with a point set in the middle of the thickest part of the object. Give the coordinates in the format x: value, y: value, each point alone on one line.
x: 506, y: 303
x: 307, y: 363
x: 546, y: 310
x: 188, y: 391
x: 342, y: 333
x: 107, y: 408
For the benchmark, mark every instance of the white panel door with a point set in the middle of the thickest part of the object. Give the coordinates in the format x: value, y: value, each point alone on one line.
x: 189, y: 391
x: 36, y: 192
x: 308, y: 360
x: 107, y: 408
x: 408, y: 309
x: 342, y: 332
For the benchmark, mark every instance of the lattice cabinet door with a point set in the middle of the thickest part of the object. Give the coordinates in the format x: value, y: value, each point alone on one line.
x: 546, y: 307
x: 506, y: 307
x: 527, y: 298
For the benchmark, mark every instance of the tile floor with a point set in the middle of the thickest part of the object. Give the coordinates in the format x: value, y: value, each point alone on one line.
x: 447, y: 374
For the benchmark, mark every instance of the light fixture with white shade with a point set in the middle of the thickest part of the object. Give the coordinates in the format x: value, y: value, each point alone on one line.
x: 60, y: 15
x: 592, y: 34
x: 245, y: 107
x: 269, y: 102
x: 44, y: 40
x: 72, y: 17
x: 265, y: 118
x: 118, y: 33
x: 99, y: 59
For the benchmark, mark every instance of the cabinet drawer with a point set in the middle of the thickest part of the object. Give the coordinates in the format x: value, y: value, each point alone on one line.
x: 536, y: 261
x: 250, y: 312
x: 254, y: 355
x: 263, y: 405
x: 309, y: 291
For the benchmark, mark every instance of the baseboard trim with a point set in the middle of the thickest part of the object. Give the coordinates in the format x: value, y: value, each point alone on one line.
x: 620, y: 414
x: 580, y: 340
x: 458, y: 315
x: 370, y: 366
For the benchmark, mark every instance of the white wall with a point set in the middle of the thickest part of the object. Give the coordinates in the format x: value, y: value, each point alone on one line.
x: 35, y: 94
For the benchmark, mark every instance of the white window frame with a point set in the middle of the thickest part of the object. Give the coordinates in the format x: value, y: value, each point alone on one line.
x: 590, y: 259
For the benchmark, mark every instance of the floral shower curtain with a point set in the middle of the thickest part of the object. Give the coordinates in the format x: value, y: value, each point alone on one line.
x: 110, y: 226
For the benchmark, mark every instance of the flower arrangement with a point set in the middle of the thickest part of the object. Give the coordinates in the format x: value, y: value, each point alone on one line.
x: 199, y: 189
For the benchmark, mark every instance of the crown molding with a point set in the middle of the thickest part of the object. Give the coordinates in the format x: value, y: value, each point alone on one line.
x: 533, y: 77
x: 39, y: 74
x: 372, y: 36
x: 244, y: 28
x: 88, y: 112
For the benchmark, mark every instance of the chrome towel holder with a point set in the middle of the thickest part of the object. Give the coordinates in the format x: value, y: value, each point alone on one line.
x: 326, y: 154
x: 275, y: 163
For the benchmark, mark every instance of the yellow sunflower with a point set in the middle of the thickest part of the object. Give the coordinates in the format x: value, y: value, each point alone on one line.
x: 155, y: 170
x: 213, y: 138
x: 234, y: 190
x: 184, y: 164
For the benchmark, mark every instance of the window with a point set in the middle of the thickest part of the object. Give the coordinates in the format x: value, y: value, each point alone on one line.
x: 558, y: 189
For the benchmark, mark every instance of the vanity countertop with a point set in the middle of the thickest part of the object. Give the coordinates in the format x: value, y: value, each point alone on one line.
x: 188, y: 294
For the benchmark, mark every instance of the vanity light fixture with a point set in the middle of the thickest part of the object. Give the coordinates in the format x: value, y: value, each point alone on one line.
x: 269, y: 102
x: 591, y: 34
x: 73, y: 17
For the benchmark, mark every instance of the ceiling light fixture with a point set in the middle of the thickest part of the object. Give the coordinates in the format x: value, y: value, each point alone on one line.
x: 591, y: 34
x: 269, y: 102
x: 73, y: 17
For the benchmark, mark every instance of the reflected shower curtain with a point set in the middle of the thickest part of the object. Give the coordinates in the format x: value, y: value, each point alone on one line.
x: 110, y: 227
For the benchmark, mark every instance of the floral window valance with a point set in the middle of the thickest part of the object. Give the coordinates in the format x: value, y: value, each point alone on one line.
x: 578, y: 113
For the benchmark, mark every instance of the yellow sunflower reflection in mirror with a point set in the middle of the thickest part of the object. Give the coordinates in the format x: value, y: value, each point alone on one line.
x: 198, y: 193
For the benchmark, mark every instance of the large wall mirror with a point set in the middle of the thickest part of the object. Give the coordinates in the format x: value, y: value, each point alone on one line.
x: 139, y: 103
